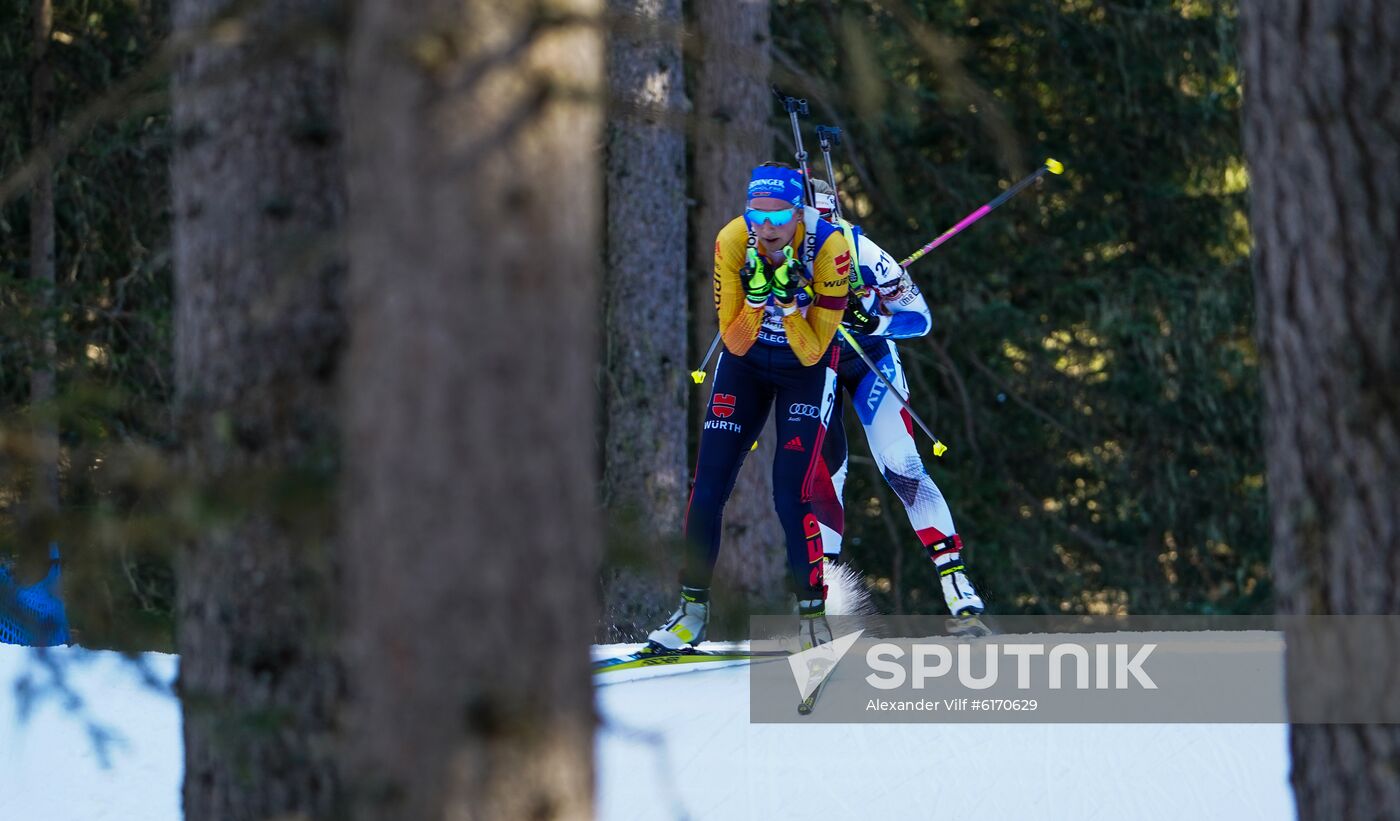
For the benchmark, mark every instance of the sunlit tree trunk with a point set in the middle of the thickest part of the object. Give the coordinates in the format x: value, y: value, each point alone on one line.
x: 643, y: 373
x: 1322, y: 135
x: 471, y: 482
x: 732, y: 109
x: 258, y: 200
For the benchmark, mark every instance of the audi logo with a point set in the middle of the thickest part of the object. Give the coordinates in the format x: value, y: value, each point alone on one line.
x: 799, y: 409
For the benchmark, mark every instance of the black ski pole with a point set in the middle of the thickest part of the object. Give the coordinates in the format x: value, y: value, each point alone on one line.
x: 796, y: 107
x: 829, y: 136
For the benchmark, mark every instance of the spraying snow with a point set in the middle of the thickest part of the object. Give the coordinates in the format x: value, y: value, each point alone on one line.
x: 846, y: 594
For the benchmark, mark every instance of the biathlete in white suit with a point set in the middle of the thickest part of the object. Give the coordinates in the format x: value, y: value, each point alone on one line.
x: 886, y: 305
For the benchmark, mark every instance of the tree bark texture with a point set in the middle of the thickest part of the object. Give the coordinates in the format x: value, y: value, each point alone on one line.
x: 471, y: 474
x: 41, y: 268
x: 644, y: 372
x: 1322, y: 136
x: 258, y: 193
x: 732, y: 106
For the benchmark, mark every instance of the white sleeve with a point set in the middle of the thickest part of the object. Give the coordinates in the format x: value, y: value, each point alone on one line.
x: 904, y: 310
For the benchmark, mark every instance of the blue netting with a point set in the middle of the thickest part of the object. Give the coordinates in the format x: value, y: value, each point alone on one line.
x: 33, y: 615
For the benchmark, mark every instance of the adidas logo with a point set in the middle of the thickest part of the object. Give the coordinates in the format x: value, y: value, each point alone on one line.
x: 795, y: 443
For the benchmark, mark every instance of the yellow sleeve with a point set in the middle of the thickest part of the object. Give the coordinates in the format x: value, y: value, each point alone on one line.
x: 738, y: 321
x: 811, y: 335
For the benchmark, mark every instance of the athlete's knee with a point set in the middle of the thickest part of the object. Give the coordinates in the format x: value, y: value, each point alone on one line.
x: 709, y: 495
x: 898, y: 451
x: 789, y: 502
x: 711, y: 489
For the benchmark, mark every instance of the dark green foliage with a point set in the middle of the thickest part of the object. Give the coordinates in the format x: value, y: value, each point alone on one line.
x: 112, y: 312
x: 1092, y: 364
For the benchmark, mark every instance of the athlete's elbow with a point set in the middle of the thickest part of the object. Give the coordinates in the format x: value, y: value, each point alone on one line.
x: 737, y: 347
x: 812, y: 354
x: 918, y: 324
x: 736, y: 341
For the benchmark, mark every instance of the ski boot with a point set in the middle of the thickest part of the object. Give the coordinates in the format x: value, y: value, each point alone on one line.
x: 686, y: 627
x: 812, y: 625
x: 958, y: 592
x: 814, y: 633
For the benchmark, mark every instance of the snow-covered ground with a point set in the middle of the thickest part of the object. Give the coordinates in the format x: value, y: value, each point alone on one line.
x: 51, y: 766
x: 678, y: 744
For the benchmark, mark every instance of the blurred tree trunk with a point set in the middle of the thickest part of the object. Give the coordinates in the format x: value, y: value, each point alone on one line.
x: 643, y: 372
x: 470, y: 496
x: 732, y: 104
x: 258, y: 192
x: 1322, y: 135
x: 44, y: 501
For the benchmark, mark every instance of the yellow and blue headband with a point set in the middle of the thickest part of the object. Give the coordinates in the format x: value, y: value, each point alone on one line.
x: 776, y: 182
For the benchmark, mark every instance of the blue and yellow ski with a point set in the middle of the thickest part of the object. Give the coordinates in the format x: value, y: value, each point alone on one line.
x: 664, y: 658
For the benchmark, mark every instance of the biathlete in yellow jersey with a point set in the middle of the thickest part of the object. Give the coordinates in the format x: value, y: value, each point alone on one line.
x: 780, y: 287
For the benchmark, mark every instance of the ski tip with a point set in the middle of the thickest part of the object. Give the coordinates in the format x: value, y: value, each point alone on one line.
x: 697, y: 377
x: 969, y: 627
x: 754, y: 446
x: 1054, y: 166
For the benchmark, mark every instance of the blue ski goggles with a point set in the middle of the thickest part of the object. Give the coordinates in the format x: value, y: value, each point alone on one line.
x: 758, y: 217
